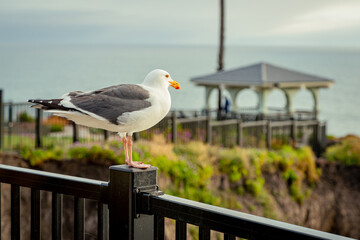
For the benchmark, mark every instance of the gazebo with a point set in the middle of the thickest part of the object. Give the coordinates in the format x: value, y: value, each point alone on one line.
x: 262, y: 78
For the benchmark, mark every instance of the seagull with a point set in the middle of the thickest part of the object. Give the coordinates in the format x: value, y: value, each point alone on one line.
x: 124, y: 108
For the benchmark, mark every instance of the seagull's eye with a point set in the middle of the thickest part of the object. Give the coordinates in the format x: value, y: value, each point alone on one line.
x: 167, y: 76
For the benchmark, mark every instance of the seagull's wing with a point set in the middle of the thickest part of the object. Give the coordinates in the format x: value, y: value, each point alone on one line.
x: 107, y: 103
x: 110, y: 103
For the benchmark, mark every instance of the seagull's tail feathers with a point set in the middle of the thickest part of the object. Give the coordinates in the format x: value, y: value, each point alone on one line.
x: 51, y: 104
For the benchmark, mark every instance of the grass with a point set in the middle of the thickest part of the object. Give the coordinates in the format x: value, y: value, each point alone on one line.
x: 191, y: 166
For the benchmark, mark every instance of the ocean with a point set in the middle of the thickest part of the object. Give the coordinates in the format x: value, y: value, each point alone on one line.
x: 48, y: 71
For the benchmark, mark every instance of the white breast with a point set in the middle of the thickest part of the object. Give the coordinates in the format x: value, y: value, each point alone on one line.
x: 146, y: 118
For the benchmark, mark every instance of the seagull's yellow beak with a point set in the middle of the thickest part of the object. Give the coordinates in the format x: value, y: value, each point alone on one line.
x: 174, y: 84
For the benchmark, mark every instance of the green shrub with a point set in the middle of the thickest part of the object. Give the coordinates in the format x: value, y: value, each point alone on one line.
x: 25, y: 117
x: 94, y: 153
x: 38, y: 156
x: 254, y: 186
x: 346, y: 152
x: 56, y: 128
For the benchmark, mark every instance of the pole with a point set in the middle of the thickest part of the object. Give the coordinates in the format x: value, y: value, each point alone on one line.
x: 239, y: 134
x: 221, y: 52
x: 10, y: 125
x: 221, y: 45
x: 268, y: 135
x: 38, y: 128
x: 75, y: 133
x: 1, y: 120
x: 173, y: 127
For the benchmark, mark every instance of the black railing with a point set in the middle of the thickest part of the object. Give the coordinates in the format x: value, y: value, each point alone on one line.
x: 130, y: 206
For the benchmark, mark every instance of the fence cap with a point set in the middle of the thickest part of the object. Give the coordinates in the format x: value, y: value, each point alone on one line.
x: 126, y: 168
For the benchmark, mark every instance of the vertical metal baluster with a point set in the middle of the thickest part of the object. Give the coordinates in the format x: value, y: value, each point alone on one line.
x: 79, y: 220
x: 103, y: 221
x: 229, y: 237
x: 204, y: 233
x: 159, y: 227
x: 180, y: 230
x: 56, y: 215
x: 15, y: 212
x: 35, y: 214
x: 38, y: 137
x: 0, y: 212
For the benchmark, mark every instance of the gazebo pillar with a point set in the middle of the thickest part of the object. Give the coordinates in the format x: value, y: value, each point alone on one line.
x: 233, y: 93
x: 208, y: 91
x: 290, y: 95
x: 315, y: 94
x: 263, y: 94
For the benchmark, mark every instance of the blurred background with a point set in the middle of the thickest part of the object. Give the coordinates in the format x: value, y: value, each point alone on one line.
x: 50, y: 48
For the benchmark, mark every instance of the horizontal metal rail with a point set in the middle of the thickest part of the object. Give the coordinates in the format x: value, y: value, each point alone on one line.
x: 306, y: 123
x: 254, y: 124
x: 224, y: 122
x: 59, y: 183
x: 17, y: 104
x: 281, y: 123
x: 191, y: 120
x: 231, y: 222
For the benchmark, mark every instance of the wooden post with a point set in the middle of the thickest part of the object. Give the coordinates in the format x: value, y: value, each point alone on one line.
x: 269, y: 135
x: 323, y: 139
x: 316, y: 143
x: 293, y: 133
x: 222, y: 28
x: 208, y: 129
x: 239, y: 134
x: 124, y: 220
x: 38, y: 143
x: 1, y: 120
x: 223, y: 135
x: 173, y: 127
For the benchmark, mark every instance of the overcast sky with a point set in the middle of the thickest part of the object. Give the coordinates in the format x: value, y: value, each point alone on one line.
x: 333, y: 23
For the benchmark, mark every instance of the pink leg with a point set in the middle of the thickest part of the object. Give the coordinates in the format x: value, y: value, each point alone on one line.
x: 125, y: 143
x: 131, y: 163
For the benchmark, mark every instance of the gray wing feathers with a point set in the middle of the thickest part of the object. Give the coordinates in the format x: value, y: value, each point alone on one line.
x: 112, y: 102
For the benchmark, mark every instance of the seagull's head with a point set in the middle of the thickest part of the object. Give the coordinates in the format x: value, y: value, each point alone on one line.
x: 160, y: 78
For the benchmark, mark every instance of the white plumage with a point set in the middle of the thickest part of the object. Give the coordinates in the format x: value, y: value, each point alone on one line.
x: 124, y: 108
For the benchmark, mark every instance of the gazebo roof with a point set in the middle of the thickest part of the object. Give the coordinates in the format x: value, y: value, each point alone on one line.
x: 262, y: 75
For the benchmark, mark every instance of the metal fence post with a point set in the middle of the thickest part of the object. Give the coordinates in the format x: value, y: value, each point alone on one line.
x: 136, y: 136
x: 38, y: 128
x: 75, y: 133
x: 208, y: 129
x: 293, y: 133
x: 124, y: 220
x: 10, y: 125
x: 106, y: 135
x: 1, y: 120
x: 268, y: 135
x: 239, y: 133
x: 316, y: 142
x: 323, y: 139
x: 173, y: 127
